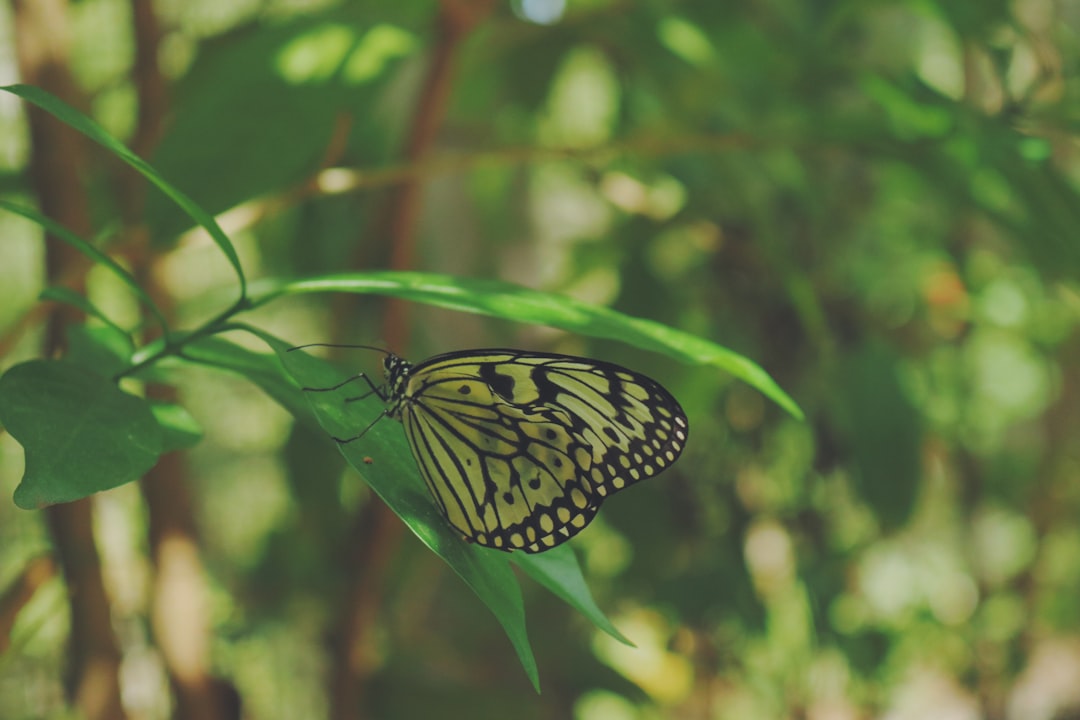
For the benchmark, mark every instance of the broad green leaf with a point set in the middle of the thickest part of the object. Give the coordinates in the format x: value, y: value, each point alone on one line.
x: 69, y: 115
x: 513, y: 302
x: 81, y: 434
x: 393, y: 475
x: 558, y: 570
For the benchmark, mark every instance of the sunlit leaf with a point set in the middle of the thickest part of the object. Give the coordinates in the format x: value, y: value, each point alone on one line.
x: 513, y: 302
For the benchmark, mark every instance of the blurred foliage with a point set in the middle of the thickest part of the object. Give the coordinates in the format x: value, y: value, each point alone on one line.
x: 876, y: 201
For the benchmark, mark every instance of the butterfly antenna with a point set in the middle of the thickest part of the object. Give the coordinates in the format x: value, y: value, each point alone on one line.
x: 384, y: 351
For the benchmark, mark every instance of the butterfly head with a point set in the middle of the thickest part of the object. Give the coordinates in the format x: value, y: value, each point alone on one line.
x: 396, y: 369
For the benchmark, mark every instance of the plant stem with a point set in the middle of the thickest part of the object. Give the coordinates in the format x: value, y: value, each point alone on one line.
x: 174, y: 347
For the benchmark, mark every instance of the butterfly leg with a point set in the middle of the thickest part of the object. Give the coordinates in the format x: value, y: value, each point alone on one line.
x: 343, y: 383
x: 374, y: 390
x: 362, y: 433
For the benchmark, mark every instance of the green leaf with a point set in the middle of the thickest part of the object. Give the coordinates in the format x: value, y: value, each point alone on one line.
x: 81, y: 433
x: 179, y: 430
x: 393, y: 475
x: 58, y: 293
x: 513, y: 302
x: 558, y: 570
x: 62, y: 233
x: 261, y: 369
x: 69, y: 115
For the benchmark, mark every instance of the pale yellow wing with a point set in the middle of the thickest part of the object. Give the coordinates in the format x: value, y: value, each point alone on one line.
x: 520, y: 449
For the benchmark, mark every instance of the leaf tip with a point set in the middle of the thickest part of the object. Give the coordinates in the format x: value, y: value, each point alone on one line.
x: 27, y: 498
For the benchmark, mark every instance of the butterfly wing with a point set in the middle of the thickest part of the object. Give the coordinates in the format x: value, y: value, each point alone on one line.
x: 520, y: 449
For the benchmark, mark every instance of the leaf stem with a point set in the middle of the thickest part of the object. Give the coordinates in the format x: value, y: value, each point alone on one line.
x: 174, y: 343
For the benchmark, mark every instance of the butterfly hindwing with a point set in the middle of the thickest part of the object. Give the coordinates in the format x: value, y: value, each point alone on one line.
x: 520, y: 449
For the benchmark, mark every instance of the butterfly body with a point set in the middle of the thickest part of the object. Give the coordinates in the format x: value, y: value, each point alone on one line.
x: 519, y: 449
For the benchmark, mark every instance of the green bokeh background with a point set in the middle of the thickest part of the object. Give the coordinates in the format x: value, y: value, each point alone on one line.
x: 875, y: 201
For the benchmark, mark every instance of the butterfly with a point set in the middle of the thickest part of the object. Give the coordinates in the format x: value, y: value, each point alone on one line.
x: 519, y: 449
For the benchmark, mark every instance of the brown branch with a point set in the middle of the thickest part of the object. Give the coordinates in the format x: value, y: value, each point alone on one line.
x: 150, y: 85
x: 376, y: 531
x: 56, y: 166
x: 152, y: 92
x: 374, y: 538
x: 457, y: 18
x: 36, y: 573
x: 93, y: 674
x: 179, y: 613
x: 339, y: 181
x: 41, y: 44
x: 180, y: 609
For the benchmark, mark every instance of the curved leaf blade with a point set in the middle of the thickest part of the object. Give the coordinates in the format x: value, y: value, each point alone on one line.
x: 383, y: 459
x: 558, y: 570
x: 69, y: 115
x: 513, y: 302
x: 63, y: 234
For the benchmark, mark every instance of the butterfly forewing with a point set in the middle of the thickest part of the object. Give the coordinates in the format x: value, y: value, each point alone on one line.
x: 519, y: 449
